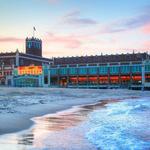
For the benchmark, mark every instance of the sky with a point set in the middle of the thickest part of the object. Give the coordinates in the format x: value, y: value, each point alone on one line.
x: 76, y: 27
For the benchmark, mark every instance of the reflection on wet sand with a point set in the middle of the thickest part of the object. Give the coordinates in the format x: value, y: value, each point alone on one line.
x: 65, y: 119
x: 57, y: 131
x: 45, y: 125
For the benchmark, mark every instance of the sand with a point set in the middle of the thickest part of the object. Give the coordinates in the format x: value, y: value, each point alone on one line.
x: 63, y: 113
x: 19, y: 105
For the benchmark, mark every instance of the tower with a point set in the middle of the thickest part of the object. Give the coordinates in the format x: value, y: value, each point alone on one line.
x: 34, y: 46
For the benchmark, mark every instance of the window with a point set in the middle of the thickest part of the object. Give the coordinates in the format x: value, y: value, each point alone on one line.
x: 21, y: 62
x: 125, y: 69
x: 114, y: 69
x: 29, y: 45
x: 63, y: 71
x: 147, y: 68
x: 72, y: 71
x: 103, y: 70
x: 12, y: 61
x: 82, y: 71
x: 93, y: 70
x: 136, y: 68
x: 53, y: 71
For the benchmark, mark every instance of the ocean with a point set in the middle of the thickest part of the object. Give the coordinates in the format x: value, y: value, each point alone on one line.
x: 92, y: 120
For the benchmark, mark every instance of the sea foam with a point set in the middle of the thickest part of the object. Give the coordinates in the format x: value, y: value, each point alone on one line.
x: 121, y: 126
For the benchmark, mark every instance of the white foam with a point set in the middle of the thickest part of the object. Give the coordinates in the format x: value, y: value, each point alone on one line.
x: 121, y: 126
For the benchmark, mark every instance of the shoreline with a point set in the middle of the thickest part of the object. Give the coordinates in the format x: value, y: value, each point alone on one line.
x: 71, y: 126
x: 79, y: 119
x: 28, y: 122
x: 15, y: 122
x: 25, y: 122
x: 57, y: 123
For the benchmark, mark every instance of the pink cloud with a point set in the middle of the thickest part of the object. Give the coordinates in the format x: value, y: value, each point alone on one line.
x: 146, y: 29
x: 69, y: 41
x: 74, y: 18
x: 50, y: 1
x: 147, y: 45
x: 10, y: 39
x: 53, y: 1
x: 126, y: 24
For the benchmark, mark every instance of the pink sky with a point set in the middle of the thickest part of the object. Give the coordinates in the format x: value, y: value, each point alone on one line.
x: 68, y: 31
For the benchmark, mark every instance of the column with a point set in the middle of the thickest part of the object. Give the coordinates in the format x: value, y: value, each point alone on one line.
x: 98, y: 76
x: 130, y: 74
x: 17, y: 58
x: 12, y: 81
x: 3, y: 69
x: 87, y: 76
x: 119, y: 75
x: 58, y: 76
x: 49, y: 75
x: 40, y: 78
x: 108, y: 65
x: 77, y: 75
x: 67, y: 75
x: 143, y: 75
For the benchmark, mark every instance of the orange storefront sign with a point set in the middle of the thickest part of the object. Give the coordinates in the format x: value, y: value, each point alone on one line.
x: 30, y: 70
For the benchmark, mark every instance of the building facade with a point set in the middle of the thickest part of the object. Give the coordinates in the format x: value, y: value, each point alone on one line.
x: 104, y: 71
x: 129, y: 74
x: 30, y: 76
x: 120, y: 71
x: 33, y: 56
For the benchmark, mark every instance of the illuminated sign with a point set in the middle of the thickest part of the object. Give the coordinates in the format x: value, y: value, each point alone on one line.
x: 30, y: 70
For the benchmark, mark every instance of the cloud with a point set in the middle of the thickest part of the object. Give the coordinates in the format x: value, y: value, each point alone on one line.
x: 146, y: 29
x: 74, y: 13
x: 147, y: 44
x: 68, y: 41
x: 53, y: 1
x: 74, y: 18
x: 128, y: 23
x: 10, y: 39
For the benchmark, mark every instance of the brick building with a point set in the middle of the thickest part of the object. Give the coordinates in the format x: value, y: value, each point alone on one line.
x: 33, y: 56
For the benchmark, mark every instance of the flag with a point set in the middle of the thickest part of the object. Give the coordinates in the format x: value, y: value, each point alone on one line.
x: 34, y: 28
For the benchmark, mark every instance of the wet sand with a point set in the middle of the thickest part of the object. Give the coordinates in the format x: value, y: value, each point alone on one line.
x: 16, y: 113
x: 63, y: 130
x: 20, y: 118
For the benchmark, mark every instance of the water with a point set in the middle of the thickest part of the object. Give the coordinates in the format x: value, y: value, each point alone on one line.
x: 124, y: 125
x: 116, y: 119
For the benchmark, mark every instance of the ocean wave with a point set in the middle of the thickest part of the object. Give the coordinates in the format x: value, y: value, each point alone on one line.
x: 121, y: 126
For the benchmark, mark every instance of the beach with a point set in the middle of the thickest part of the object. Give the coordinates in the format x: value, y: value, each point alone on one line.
x: 74, y: 119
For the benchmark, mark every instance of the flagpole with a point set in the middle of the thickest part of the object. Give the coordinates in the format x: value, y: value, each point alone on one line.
x: 34, y: 31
